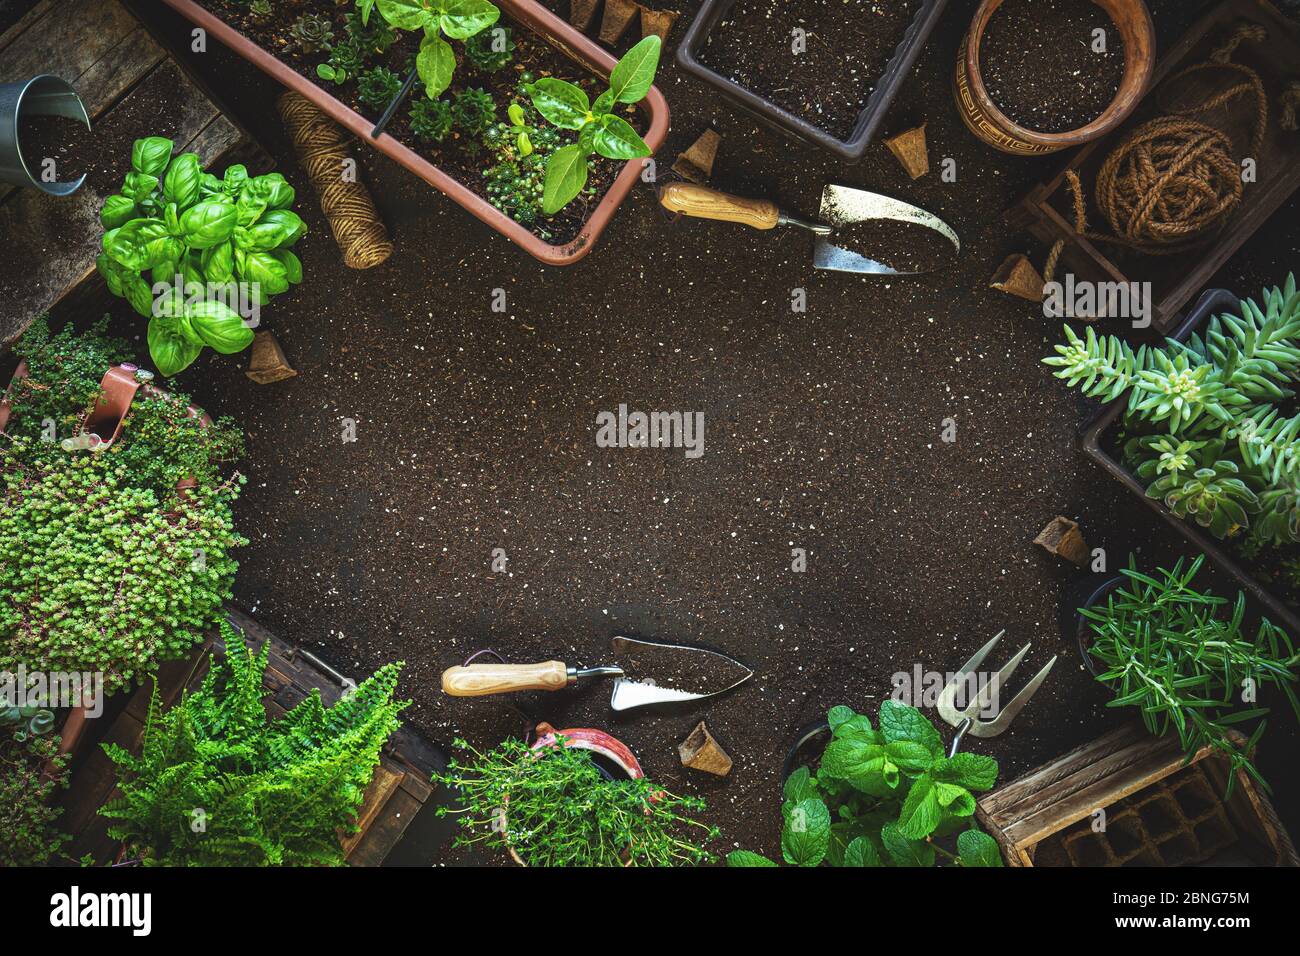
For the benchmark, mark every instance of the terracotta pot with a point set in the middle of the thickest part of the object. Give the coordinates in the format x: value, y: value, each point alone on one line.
x: 532, y: 16
x: 990, y: 124
x: 585, y: 738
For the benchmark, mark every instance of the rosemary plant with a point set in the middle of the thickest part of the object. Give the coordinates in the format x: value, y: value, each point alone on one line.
x: 555, y: 808
x: 1169, y: 650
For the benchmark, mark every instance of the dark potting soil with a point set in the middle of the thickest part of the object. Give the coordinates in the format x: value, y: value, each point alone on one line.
x: 848, y: 45
x: 1039, y: 66
x: 45, y: 138
x: 903, y: 246
x: 475, y: 430
x: 458, y: 156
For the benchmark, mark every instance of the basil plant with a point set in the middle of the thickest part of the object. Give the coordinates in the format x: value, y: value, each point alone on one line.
x: 599, y: 130
x: 458, y: 19
x: 211, y: 248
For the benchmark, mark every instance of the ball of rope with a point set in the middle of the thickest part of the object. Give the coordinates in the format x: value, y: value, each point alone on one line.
x: 346, y: 203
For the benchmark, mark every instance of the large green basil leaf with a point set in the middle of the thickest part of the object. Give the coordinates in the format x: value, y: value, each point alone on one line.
x: 435, y: 63
x: 218, y: 263
x: 618, y: 140
x: 633, y: 76
x: 151, y: 155
x: 461, y: 19
x: 292, y: 265
x: 142, y: 244
x: 168, y: 348
x: 268, y: 272
x: 139, y: 186
x: 181, y: 184
x: 280, y: 195
x: 116, y: 211
x: 407, y: 14
x: 267, y: 235
x: 562, y: 103
x: 233, y: 180
x: 138, y: 293
x: 219, y: 326
x: 566, y: 174
x: 209, y: 223
x: 111, y: 271
x: 807, y: 833
x: 253, y: 201
x: 288, y: 222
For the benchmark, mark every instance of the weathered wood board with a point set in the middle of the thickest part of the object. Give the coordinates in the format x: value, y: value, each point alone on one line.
x: 131, y: 88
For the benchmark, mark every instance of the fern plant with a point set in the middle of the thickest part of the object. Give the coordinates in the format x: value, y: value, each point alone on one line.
x: 218, y: 784
x: 1215, y: 428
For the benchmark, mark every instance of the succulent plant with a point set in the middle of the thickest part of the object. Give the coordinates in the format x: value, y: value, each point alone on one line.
x: 431, y: 119
x: 1212, y: 493
x: 376, y: 88
x: 473, y: 111
x: 373, y: 37
x: 312, y: 32
x: 490, y: 50
x: 260, y: 8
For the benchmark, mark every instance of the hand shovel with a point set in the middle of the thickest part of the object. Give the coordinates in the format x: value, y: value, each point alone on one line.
x: 841, y: 207
x: 652, y: 674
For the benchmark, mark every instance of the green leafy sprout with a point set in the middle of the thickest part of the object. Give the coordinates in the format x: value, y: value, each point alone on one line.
x: 457, y: 19
x: 884, y: 796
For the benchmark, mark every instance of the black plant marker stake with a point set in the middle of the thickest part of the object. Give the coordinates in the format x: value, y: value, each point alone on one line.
x: 397, y: 101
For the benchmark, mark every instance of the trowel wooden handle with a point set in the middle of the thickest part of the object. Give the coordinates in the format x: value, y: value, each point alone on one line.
x: 704, y: 203
x: 477, y: 680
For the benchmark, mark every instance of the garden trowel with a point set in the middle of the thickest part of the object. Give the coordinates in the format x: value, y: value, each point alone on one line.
x: 841, y: 207
x: 651, y: 673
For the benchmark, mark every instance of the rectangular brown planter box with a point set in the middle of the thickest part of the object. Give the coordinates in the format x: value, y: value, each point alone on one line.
x: 1160, y: 809
x: 1046, y: 210
x: 1211, y: 303
x: 532, y: 16
x: 767, y: 112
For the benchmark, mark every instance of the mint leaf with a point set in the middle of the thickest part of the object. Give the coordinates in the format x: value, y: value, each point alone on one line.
x: 972, y: 771
x: 905, y: 852
x: 839, y: 715
x: 920, y: 813
x: 807, y: 833
x: 977, y: 848
x: 910, y: 755
x: 956, y: 800
x: 901, y: 722
x: 799, y: 786
x: 861, y: 853
x: 746, y: 858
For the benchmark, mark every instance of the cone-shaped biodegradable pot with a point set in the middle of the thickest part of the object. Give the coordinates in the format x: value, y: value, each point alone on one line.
x: 43, y: 95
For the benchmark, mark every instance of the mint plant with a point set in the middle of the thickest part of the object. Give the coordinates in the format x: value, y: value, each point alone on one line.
x: 226, y: 238
x: 884, y: 797
x: 457, y: 19
x: 599, y: 130
x: 272, y: 793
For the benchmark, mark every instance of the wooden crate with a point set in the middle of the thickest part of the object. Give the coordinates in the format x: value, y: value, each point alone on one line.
x: 131, y: 88
x: 1158, y: 810
x: 1047, y: 210
x: 397, y: 792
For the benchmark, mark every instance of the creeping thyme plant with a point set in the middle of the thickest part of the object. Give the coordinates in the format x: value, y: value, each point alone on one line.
x: 1212, y: 424
x: 559, y: 810
x: 31, y: 771
x: 104, y: 565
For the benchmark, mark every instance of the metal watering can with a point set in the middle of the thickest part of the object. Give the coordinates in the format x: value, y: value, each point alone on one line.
x: 43, y: 95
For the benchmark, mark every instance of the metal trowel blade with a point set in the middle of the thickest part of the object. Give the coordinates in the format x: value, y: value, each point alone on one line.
x: 712, y: 674
x: 842, y: 206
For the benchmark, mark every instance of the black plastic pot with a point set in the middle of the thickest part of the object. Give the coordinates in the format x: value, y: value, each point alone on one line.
x: 767, y: 112
x: 1083, y: 626
x: 1211, y: 303
x: 812, y: 738
x: 43, y: 95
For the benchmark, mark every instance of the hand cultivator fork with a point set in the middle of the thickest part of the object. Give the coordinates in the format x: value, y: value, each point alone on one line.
x: 967, y: 720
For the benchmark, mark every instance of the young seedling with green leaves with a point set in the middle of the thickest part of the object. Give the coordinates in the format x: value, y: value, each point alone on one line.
x: 457, y: 19
x: 1168, y: 649
x: 225, y: 238
x: 884, y: 796
x: 599, y: 130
